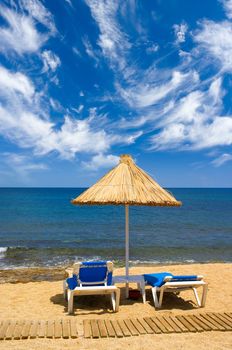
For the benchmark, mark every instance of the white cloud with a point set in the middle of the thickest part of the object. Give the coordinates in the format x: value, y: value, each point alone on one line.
x: 222, y: 159
x: 37, y: 11
x: 195, y: 122
x: 112, y: 40
x: 216, y: 39
x: 180, y: 32
x: 76, y: 51
x: 101, y: 161
x: 227, y: 4
x: 22, y: 165
x: 50, y: 60
x: 143, y: 94
x: 24, y: 122
x: 89, y: 49
x: 20, y: 35
x: 15, y: 82
x: 152, y: 48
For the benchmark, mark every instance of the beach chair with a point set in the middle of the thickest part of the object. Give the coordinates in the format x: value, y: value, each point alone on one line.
x: 91, y: 278
x: 166, y: 282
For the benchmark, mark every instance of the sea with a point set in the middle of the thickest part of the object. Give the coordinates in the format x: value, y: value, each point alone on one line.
x: 39, y: 227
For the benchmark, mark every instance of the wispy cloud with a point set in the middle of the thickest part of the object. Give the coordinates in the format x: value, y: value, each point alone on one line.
x: 227, y: 4
x: 22, y: 165
x: 50, y: 60
x: 39, y: 13
x: 180, y: 31
x: 222, y: 159
x: 215, y: 38
x: 23, y: 124
x: 19, y: 35
x: 101, y: 161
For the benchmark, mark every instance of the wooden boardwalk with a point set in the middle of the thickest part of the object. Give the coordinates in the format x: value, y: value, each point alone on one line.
x: 93, y: 328
x: 158, y: 324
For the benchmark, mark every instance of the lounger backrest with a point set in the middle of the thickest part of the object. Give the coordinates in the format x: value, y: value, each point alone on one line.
x: 94, y: 273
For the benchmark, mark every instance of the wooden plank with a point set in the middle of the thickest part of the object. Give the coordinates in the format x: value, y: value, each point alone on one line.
x: 166, y: 324
x: 201, y: 323
x: 110, y: 329
x: 152, y: 325
x: 224, y: 319
x: 138, y: 326
x: 87, y: 329
x: 95, y: 330
x: 179, y: 324
x: 102, y: 328
x: 65, y: 328
x: 131, y: 327
x: 57, y: 329
x: 117, y: 329
x: 217, y: 326
x: 26, y: 329
x: 160, y: 325
x: 193, y: 323
x: 33, y: 329
x: 147, y: 328
x: 227, y: 317
x: 18, y: 329
x: 3, y: 329
x: 186, y: 323
x: 50, y: 329
x: 172, y: 324
x: 124, y: 328
x: 208, y: 323
x: 73, y: 329
x: 222, y: 323
x: 41, y: 331
x: 10, y: 330
x: 228, y: 314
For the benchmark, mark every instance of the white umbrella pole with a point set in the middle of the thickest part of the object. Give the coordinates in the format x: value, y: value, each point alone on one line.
x: 127, y: 247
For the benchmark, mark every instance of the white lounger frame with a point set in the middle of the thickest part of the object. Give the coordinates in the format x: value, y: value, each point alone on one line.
x: 176, y: 287
x: 91, y: 290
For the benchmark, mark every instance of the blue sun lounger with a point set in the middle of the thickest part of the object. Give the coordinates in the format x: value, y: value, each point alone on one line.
x: 91, y: 278
x: 166, y: 282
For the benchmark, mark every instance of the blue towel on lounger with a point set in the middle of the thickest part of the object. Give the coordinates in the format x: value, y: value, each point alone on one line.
x: 157, y: 279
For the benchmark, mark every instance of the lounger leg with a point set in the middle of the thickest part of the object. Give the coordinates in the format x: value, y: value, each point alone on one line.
x: 204, y: 294
x: 197, y: 297
x: 155, y: 297
x: 65, y: 290
x: 161, y: 297
x: 70, y: 301
x: 142, y: 288
x: 113, y: 300
x: 117, y: 297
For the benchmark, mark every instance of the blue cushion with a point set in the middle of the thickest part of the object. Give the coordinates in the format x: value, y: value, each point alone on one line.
x: 156, y: 279
x: 91, y: 271
x: 96, y: 273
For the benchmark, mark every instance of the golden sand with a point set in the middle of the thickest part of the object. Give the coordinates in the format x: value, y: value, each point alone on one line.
x: 44, y: 300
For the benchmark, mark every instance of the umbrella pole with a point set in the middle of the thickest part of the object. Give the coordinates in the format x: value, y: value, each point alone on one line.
x: 127, y: 247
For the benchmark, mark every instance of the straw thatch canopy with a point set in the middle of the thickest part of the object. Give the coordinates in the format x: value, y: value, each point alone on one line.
x: 126, y: 184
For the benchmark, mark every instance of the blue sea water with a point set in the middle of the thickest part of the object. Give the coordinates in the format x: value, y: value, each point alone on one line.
x: 40, y: 227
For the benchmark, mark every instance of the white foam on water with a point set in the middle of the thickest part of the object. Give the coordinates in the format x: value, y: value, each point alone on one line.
x: 2, y: 252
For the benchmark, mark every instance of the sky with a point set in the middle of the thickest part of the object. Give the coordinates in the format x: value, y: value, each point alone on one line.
x: 83, y: 81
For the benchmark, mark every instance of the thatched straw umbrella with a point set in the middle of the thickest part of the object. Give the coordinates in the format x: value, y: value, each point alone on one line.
x: 126, y: 184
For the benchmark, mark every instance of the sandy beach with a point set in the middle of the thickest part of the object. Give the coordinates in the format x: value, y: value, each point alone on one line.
x: 44, y: 300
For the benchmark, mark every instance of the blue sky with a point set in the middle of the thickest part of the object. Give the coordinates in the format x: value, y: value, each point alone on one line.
x: 82, y: 82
